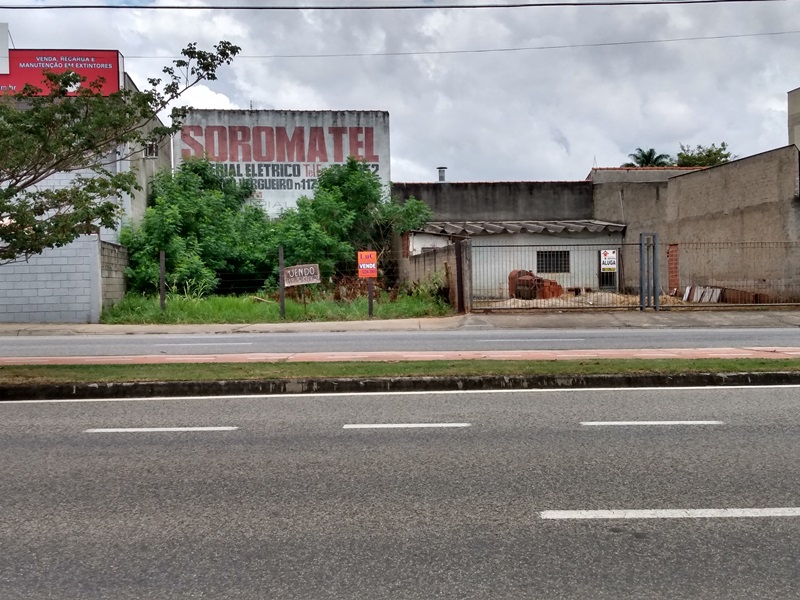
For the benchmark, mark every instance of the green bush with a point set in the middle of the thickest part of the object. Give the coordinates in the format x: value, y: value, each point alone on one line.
x: 204, y: 225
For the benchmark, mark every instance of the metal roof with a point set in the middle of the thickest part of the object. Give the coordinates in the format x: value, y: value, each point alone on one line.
x: 468, y: 228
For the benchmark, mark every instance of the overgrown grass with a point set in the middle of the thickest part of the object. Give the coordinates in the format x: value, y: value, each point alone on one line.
x: 50, y: 374
x: 139, y: 310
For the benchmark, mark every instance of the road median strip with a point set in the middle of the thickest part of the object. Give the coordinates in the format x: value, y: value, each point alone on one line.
x: 351, y: 385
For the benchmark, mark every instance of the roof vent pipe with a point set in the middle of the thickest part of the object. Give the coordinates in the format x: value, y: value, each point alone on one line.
x: 441, y: 173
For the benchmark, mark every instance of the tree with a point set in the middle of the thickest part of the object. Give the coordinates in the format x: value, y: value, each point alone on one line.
x: 350, y: 210
x: 704, y: 156
x: 58, y: 130
x: 649, y: 158
x: 206, y: 227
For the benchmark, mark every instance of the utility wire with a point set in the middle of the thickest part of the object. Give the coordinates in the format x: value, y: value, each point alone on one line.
x: 362, y: 7
x: 489, y: 50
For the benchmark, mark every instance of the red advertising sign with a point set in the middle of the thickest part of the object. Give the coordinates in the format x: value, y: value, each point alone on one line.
x: 28, y: 66
x: 368, y: 264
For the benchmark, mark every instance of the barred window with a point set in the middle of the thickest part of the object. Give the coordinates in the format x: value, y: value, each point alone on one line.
x: 151, y: 150
x: 552, y: 261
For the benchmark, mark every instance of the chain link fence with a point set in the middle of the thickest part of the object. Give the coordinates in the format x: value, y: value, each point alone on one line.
x: 581, y: 276
x: 731, y: 273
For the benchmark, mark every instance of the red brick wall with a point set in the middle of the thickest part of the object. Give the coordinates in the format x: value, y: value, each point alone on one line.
x: 672, y: 267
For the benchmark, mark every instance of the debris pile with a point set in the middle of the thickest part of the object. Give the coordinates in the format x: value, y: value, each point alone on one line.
x: 526, y: 285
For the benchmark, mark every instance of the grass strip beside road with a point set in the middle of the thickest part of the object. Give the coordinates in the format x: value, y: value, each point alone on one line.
x: 61, y: 374
x: 146, y: 310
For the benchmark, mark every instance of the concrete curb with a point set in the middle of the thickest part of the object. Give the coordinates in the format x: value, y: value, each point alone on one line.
x: 101, y: 391
x: 546, y: 319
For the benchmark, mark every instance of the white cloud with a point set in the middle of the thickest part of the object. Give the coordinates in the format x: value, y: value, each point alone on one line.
x: 528, y: 114
x: 201, y: 96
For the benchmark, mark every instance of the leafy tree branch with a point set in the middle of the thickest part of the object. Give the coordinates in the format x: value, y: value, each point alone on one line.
x: 70, y: 126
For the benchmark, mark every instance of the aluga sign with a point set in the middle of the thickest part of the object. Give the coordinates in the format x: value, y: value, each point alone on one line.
x: 608, y: 261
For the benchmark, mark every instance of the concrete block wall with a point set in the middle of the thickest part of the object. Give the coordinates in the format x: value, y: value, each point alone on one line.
x: 64, y: 285
x: 423, y: 266
x: 641, y: 206
x: 61, y: 285
x: 502, y: 200
x: 113, y: 261
x: 750, y: 199
x: 754, y: 199
x: 794, y: 117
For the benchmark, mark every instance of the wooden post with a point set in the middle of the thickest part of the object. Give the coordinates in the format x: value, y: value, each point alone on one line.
x: 162, y: 279
x: 370, y: 286
x: 281, y: 286
x: 460, y: 277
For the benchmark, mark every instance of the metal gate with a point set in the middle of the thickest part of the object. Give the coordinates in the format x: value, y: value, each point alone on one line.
x: 645, y: 275
x: 506, y: 276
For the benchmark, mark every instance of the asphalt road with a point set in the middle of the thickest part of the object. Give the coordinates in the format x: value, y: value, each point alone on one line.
x: 376, y: 341
x: 287, y: 497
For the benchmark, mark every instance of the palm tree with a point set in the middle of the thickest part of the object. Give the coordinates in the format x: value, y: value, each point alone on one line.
x: 649, y: 158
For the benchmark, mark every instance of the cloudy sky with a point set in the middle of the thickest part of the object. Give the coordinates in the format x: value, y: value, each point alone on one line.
x: 542, y: 94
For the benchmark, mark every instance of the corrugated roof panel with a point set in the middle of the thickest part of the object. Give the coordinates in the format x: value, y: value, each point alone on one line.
x: 473, y: 228
x: 493, y: 227
x: 532, y: 227
x: 454, y: 228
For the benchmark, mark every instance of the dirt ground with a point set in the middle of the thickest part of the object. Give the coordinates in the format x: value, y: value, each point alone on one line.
x: 570, y: 300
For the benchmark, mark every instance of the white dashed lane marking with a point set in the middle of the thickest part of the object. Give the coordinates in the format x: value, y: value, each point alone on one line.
x: 690, y: 513
x: 157, y: 429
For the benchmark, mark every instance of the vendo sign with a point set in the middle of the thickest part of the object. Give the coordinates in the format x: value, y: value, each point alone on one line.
x: 300, y: 275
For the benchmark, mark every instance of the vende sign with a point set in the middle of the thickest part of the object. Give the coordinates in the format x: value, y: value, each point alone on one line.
x: 283, y: 152
x: 28, y: 66
x: 368, y: 264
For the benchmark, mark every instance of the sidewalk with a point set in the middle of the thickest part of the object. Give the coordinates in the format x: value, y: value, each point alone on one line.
x: 543, y: 320
x: 539, y: 320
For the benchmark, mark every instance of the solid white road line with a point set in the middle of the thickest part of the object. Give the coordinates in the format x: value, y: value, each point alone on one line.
x: 402, y: 425
x: 700, y: 513
x: 205, y: 344
x: 626, y: 423
x: 157, y: 429
x: 385, y: 394
x: 524, y: 339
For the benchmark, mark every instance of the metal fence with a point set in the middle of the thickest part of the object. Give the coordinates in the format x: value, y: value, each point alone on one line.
x: 551, y: 276
x: 744, y: 273
x: 686, y: 275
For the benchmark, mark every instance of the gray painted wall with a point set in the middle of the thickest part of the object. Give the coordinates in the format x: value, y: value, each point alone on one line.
x: 751, y: 199
x: 113, y: 261
x: 794, y: 117
x: 754, y: 199
x: 503, y: 201
x: 636, y: 174
x: 62, y: 285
